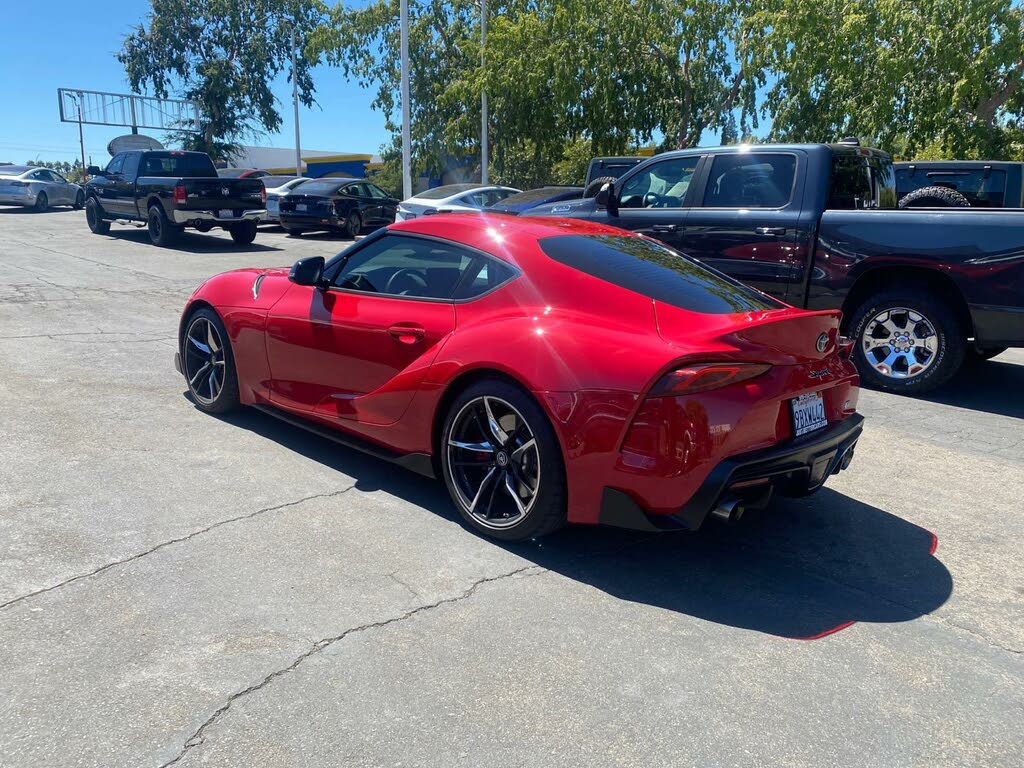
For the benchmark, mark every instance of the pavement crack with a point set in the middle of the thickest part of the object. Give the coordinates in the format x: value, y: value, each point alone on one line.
x: 198, y: 736
x: 170, y: 542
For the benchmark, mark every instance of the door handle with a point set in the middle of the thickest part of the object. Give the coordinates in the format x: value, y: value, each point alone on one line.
x: 771, y: 231
x: 407, y: 334
x: 665, y: 228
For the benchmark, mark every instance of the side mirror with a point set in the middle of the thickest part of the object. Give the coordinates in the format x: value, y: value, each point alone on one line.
x: 606, y: 199
x: 308, y: 271
x: 94, y: 170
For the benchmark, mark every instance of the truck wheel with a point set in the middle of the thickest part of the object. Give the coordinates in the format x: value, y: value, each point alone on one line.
x: 934, y: 197
x: 595, y: 186
x: 243, y: 233
x: 161, y: 232
x: 908, y: 341
x: 94, y: 218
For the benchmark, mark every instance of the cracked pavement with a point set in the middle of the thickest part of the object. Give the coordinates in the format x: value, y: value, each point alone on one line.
x: 177, y: 589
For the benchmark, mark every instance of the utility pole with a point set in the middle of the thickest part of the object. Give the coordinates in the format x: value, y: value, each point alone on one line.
x: 295, y: 104
x: 483, y: 96
x: 406, y: 141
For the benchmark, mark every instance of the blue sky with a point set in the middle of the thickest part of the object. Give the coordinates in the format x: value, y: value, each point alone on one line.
x: 41, y: 52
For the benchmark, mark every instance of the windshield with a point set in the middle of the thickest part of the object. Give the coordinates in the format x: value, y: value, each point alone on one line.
x: 656, y: 271
x: 438, y: 193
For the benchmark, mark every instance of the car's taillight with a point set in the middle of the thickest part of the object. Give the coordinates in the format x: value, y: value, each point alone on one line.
x: 180, y: 195
x: 263, y: 194
x: 701, y: 377
x: 18, y: 184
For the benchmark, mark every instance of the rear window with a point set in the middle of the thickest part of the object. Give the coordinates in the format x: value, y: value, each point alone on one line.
x: 982, y: 188
x: 656, y: 271
x: 174, y: 165
x: 543, y: 193
x: 321, y: 187
x: 14, y: 170
x: 439, y: 193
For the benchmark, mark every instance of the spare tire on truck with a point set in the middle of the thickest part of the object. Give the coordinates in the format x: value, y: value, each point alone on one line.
x: 595, y: 186
x: 934, y: 197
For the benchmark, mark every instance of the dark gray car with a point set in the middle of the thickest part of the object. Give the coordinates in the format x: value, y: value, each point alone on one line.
x: 37, y: 188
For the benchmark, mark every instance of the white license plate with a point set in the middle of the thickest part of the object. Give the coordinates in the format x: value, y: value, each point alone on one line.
x: 300, y: 206
x: 226, y: 213
x: 808, y: 413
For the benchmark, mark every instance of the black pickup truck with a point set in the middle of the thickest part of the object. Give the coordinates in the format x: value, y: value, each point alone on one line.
x: 817, y: 226
x: 169, y: 191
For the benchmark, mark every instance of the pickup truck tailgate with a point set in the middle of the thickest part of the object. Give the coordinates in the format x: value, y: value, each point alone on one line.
x: 218, y: 193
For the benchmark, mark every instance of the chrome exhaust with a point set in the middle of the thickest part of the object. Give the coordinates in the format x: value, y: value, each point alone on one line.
x: 729, y: 510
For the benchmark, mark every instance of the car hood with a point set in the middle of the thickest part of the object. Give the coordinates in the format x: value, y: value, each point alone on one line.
x: 252, y: 287
x: 568, y: 208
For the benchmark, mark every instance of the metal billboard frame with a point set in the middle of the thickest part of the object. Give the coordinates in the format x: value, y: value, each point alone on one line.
x: 131, y: 110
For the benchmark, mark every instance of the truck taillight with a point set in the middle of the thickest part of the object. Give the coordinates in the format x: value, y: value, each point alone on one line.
x: 180, y: 196
x: 263, y: 195
x: 701, y: 377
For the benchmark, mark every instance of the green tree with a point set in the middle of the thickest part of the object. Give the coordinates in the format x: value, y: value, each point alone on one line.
x: 224, y: 54
x: 941, y: 77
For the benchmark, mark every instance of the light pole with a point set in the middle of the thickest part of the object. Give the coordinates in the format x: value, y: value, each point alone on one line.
x: 483, y: 96
x: 406, y: 141
x: 295, y: 105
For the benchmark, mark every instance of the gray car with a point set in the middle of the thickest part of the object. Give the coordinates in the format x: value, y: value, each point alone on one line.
x: 37, y: 188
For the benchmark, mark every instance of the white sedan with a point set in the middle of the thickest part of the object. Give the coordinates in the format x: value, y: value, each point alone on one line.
x: 452, y: 197
x: 37, y: 188
x: 277, y: 187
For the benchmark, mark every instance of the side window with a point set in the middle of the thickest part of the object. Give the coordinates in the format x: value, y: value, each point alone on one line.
x: 115, y: 165
x: 376, y: 191
x: 479, y: 199
x: 406, y: 266
x: 852, y: 187
x: 349, y: 190
x: 750, y: 180
x: 38, y: 176
x: 130, y: 169
x: 482, y: 276
x: 54, y: 176
x: 358, y: 190
x: 662, y: 185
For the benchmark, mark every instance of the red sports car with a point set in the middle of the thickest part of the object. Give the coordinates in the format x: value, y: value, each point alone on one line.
x: 549, y: 370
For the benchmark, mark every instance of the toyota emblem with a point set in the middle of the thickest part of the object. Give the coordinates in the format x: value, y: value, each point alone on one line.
x: 822, y: 343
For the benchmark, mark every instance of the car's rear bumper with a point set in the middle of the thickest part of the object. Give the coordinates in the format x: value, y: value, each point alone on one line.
x: 11, y: 198
x: 794, y: 468
x: 309, y: 221
x: 187, y: 217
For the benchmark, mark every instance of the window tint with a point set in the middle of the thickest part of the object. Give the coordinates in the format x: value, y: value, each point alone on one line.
x: 176, y: 164
x: 479, y: 199
x: 860, y: 183
x: 58, y: 178
x: 656, y: 271
x: 415, y: 267
x: 750, y: 180
x: 983, y: 188
x: 662, y: 185
x: 482, y: 276
x: 114, y: 166
x: 37, y: 176
x: 376, y: 192
x: 131, y: 164
x: 325, y: 187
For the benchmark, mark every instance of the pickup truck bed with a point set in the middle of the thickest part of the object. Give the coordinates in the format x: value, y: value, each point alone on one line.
x: 817, y: 226
x: 170, y: 191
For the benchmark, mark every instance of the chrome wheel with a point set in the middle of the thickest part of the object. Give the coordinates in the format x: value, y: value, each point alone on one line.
x: 900, y: 343
x: 493, y: 462
x: 204, y: 360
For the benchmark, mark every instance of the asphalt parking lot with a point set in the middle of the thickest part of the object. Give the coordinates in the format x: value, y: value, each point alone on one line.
x: 180, y: 589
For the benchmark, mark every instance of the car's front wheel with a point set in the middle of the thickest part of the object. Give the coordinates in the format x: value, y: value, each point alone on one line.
x: 208, y: 364
x: 502, y: 463
x: 79, y: 201
x: 907, y: 341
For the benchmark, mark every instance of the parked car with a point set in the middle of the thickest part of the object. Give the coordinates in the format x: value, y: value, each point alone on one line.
x: 452, y: 198
x: 170, y: 191
x: 37, y: 188
x: 604, y: 169
x: 340, y: 205
x: 817, y: 226
x: 593, y: 376
x: 959, y: 183
x: 242, y: 173
x: 277, y: 187
x: 515, y: 204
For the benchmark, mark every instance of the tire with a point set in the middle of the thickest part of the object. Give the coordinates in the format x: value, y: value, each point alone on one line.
x: 42, y: 203
x: 595, y: 186
x: 353, y: 225
x: 491, y: 475
x: 79, y: 201
x: 976, y: 355
x: 293, y: 232
x: 161, y: 232
x: 94, y: 218
x: 210, y: 393
x: 243, y: 233
x: 934, y: 197
x: 907, y: 317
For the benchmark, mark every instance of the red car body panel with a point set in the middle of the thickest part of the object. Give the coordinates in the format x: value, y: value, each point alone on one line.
x: 588, y: 350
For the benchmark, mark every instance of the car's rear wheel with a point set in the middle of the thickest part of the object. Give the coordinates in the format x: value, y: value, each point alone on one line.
x: 208, y: 364
x: 502, y: 462
x: 42, y: 203
x: 907, y: 341
x: 79, y: 200
x: 161, y: 232
x: 244, y: 233
x: 353, y: 225
x: 94, y: 218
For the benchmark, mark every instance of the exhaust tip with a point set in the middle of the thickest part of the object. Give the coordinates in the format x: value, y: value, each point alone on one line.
x: 729, y: 511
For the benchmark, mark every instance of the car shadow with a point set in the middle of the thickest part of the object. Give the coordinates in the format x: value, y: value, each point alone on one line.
x: 802, y: 569
x: 992, y: 386
x: 194, y: 242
